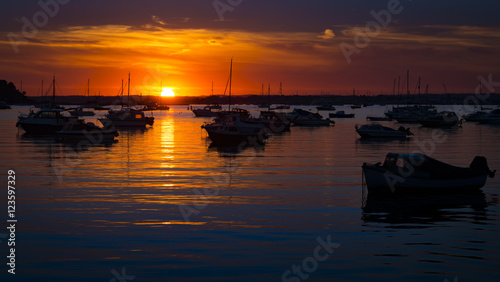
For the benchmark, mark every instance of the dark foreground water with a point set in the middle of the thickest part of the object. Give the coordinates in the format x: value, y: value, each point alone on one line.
x: 161, y: 205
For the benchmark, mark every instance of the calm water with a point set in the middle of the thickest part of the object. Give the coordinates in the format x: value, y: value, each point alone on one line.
x: 94, y: 214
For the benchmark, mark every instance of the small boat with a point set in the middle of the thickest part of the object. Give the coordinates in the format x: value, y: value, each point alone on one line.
x: 4, y: 106
x: 491, y: 118
x: 207, y: 111
x: 326, y: 108
x: 418, y: 173
x: 126, y: 117
x: 441, y: 119
x: 77, y: 129
x: 233, y: 130
x: 45, y: 121
x: 306, y: 118
x: 80, y: 112
x: 372, y: 118
x: 475, y: 116
x: 341, y: 114
x: 274, y: 122
x: 356, y: 106
x: 376, y: 130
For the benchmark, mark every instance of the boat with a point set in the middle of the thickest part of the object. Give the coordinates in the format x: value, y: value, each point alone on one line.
x: 373, y: 118
x: 77, y: 129
x: 233, y: 130
x: 44, y: 121
x: 127, y: 117
x: 326, y: 108
x: 230, y: 128
x: 474, y: 116
x: 376, y: 130
x: 418, y: 173
x: 274, y: 122
x: 356, y: 106
x: 340, y: 114
x: 441, y: 119
x: 210, y: 110
x: 4, y: 106
x: 80, y: 112
x: 306, y: 118
x: 207, y: 111
x: 492, y: 118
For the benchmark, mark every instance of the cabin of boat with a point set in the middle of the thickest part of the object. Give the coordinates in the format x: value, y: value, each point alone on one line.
x: 418, y: 173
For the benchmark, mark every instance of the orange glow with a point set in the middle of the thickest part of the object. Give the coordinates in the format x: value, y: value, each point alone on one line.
x: 168, y: 92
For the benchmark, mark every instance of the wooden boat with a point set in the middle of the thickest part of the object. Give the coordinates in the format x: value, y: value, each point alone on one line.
x: 441, y: 119
x: 341, y: 114
x: 77, y: 129
x: 418, y: 173
x: 376, y: 130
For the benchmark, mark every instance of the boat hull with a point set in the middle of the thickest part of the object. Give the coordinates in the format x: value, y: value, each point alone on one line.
x: 224, y: 138
x: 383, y: 181
x: 95, y: 137
x: 39, y: 128
x: 382, y: 134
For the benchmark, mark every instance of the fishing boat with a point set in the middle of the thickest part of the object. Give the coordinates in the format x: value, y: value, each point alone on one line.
x: 492, y: 118
x: 340, y: 114
x: 127, y: 117
x: 326, y: 108
x: 418, y: 173
x: 77, y: 129
x: 376, y: 130
x: 441, y: 119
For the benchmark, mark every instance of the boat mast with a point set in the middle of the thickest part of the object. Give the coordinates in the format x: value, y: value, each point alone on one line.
x: 269, y: 97
x: 230, y: 81
x: 128, y: 91
x: 54, y: 91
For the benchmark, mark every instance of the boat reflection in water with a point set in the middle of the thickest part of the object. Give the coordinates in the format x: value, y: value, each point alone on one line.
x: 420, y: 211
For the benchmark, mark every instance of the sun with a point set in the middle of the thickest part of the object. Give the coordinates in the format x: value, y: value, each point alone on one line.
x: 167, y: 92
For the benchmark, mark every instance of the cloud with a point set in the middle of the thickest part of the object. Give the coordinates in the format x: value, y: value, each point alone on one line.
x: 328, y: 34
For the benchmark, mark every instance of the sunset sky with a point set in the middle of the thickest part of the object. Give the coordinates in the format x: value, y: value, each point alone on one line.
x: 187, y: 44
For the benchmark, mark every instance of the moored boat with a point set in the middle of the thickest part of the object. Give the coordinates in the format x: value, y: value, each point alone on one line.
x: 306, y: 118
x: 340, y: 114
x: 418, y: 173
x: 376, y: 130
x: 233, y: 130
x: 45, y: 121
x: 491, y: 118
x: 441, y: 119
x: 326, y: 108
x: 77, y: 129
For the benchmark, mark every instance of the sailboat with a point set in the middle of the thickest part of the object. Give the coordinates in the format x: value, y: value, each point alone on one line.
x: 46, y: 120
x: 210, y: 110
x: 127, y: 117
x: 80, y: 112
x: 232, y: 129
